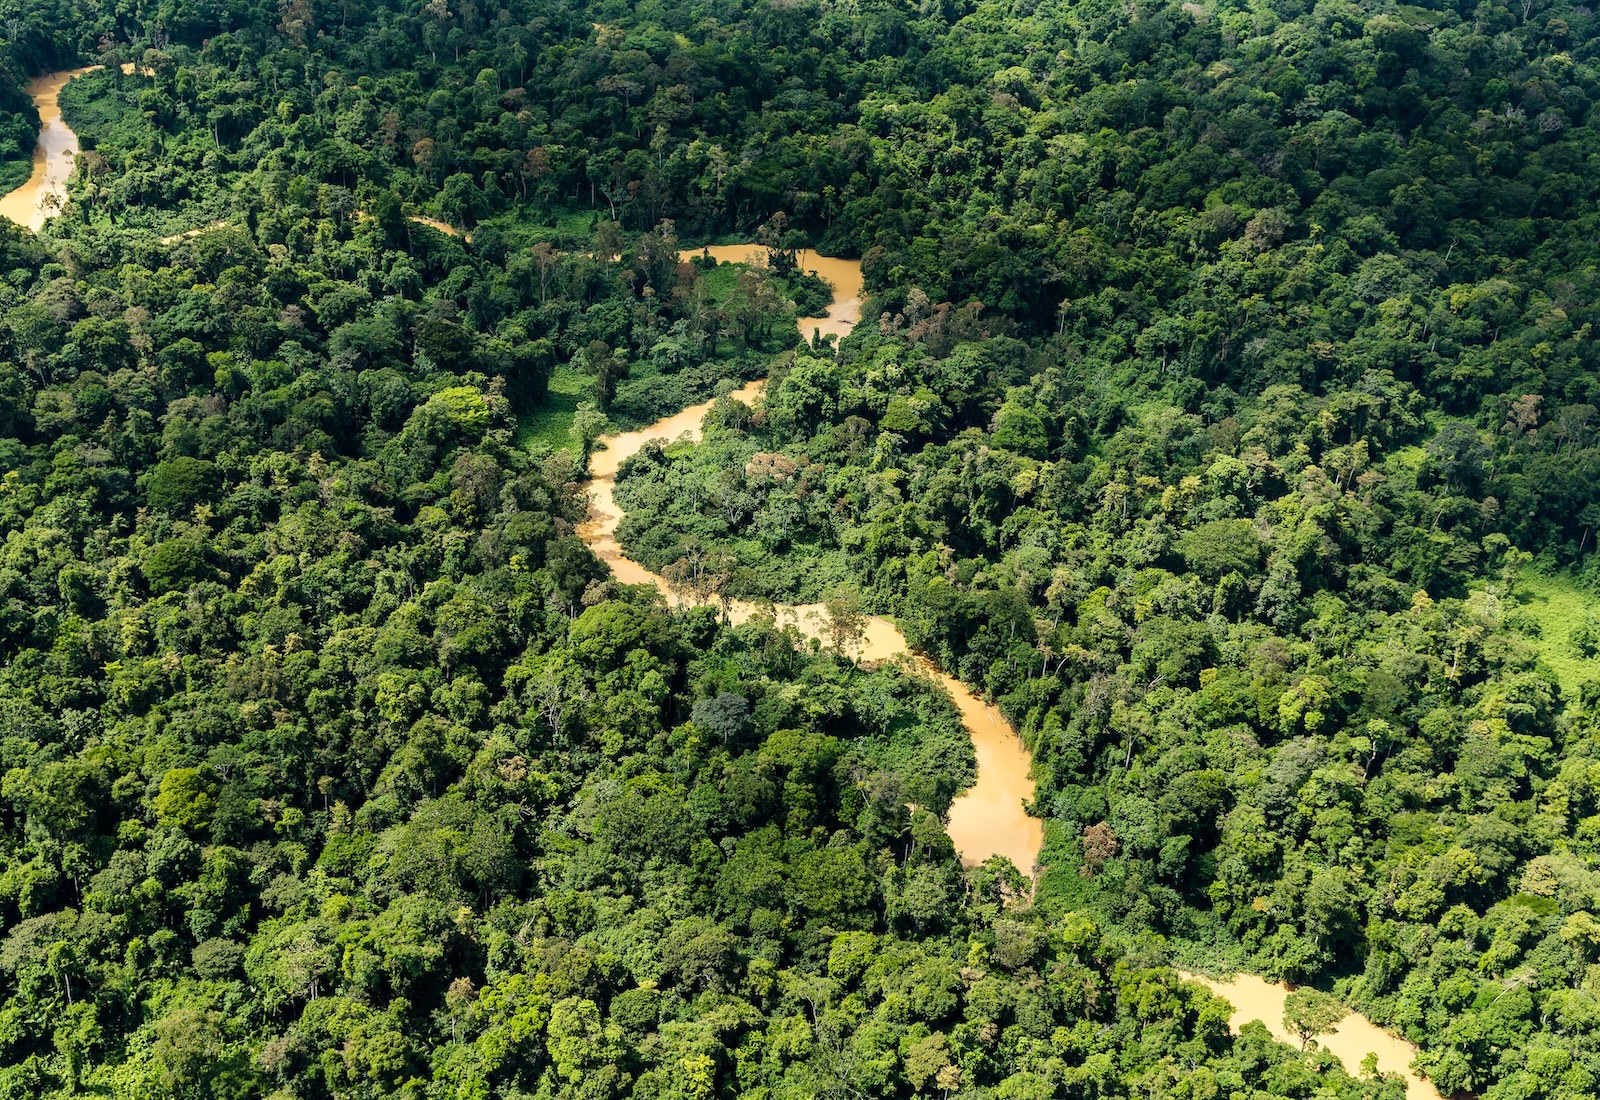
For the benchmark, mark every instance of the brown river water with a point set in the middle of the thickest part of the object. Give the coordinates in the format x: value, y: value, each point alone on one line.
x: 1255, y: 998
x: 41, y: 197
x: 45, y: 192
x: 988, y: 819
x: 845, y: 275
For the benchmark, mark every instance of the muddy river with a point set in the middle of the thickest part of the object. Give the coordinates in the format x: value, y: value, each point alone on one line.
x: 1255, y: 998
x: 988, y: 819
x: 46, y: 190
x: 845, y: 275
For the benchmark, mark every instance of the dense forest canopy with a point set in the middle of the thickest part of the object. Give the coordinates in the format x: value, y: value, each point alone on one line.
x: 1224, y: 408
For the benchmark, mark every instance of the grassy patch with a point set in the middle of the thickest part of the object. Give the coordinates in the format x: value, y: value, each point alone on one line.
x: 551, y: 424
x: 524, y: 224
x: 1560, y: 607
x: 566, y: 223
x: 722, y: 280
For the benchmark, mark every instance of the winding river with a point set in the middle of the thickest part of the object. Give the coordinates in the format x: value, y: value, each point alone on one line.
x: 1255, y: 998
x: 988, y: 819
x: 46, y: 190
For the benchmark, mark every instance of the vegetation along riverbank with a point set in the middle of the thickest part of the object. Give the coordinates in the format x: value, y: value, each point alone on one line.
x: 799, y: 550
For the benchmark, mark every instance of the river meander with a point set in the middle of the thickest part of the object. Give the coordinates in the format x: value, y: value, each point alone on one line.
x: 46, y: 190
x: 987, y: 819
x: 1255, y: 998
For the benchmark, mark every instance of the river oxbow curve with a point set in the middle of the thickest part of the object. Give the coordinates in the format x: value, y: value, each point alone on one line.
x: 990, y: 817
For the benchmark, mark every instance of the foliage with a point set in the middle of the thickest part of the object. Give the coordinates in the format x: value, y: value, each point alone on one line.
x: 1310, y: 1012
x: 1224, y: 370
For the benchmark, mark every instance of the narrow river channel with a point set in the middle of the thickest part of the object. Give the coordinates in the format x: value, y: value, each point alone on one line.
x: 1255, y: 998
x: 46, y: 190
x: 988, y: 819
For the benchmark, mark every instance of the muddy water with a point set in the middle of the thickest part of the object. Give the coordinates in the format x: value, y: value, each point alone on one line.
x: 46, y: 190
x: 845, y: 275
x: 986, y: 820
x: 444, y: 227
x: 1255, y: 998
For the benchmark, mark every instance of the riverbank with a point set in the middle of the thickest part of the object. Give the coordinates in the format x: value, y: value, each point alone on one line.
x: 45, y: 192
x: 843, y: 275
x: 989, y: 817
x: 1255, y: 998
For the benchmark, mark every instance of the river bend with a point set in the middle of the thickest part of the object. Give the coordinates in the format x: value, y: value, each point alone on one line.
x: 989, y: 817
x: 46, y: 190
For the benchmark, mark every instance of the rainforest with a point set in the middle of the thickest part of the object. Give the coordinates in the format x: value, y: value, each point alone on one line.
x: 689, y: 549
